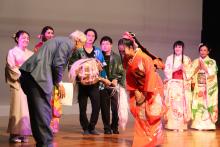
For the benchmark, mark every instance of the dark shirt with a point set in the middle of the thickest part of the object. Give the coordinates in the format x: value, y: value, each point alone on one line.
x: 107, y: 60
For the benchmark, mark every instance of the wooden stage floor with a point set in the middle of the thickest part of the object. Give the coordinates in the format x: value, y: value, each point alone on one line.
x: 70, y: 136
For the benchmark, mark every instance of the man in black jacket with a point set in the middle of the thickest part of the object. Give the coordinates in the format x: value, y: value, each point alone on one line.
x: 109, y: 95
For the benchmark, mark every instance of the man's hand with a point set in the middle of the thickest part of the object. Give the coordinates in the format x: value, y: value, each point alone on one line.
x: 105, y: 81
x: 114, y: 82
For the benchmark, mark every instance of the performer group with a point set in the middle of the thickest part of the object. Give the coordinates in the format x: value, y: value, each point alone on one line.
x: 186, y: 98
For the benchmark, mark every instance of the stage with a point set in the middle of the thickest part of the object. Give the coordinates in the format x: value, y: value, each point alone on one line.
x: 70, y: 136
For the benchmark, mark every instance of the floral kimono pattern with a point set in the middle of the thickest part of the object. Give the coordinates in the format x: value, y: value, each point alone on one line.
x: 177, y: 93
x: 148, y: 126
x: 56, y: 111
x: 205, y: 96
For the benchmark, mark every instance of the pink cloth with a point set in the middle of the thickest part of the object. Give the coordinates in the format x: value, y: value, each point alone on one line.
x: 19, y: 122
x: 17, y: 56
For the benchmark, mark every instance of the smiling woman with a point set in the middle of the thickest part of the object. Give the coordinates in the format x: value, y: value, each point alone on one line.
x: 46, y: 34
x: 19, y: 122
x: 205, y: 92
x: 177, y: 91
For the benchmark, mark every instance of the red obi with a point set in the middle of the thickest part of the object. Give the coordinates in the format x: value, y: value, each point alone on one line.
x: 178, y: 74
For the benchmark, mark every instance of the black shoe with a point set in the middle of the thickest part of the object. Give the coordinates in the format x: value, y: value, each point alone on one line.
x: 107, y: 132
x: 115, y: 131
x: 94, y: 132
x: 86, y: 132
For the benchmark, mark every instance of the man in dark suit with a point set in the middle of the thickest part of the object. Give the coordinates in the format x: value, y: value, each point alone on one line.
x: 38, y: 76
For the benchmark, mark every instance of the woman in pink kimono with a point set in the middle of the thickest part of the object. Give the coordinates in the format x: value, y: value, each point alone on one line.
x: 177, y: 89
x: 19, y: 122
x: 205, y: 91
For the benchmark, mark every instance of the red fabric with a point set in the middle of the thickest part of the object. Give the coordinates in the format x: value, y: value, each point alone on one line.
x: 36, y: 48
x: 148, y: 132
x: 178, y: 74
x: 127, y: 35
x: 138, y: 77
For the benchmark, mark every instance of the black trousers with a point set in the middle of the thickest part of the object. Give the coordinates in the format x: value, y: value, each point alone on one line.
x: 109, y: 99
x: 91, y: 91
x: 114, y: 108
x: 39, y: 110
x: 105, y: 108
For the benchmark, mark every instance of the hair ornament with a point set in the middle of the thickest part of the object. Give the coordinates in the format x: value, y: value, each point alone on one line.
x: 13, y: 35
x: 200, y: 44
x: 128, y: 36
x: 39, y: 36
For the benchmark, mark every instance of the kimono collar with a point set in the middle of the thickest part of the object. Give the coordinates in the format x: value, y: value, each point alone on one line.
x: 204, y: 59
x: 137, y: 51
x: 178, y: 57
x: 20, y: 49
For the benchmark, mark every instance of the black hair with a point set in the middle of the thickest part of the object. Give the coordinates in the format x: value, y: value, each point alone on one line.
x: 204, y: 44
x: 178, y: 43
x: 126, y: 42
x: 18, y: 34
x: 129, y: 43
x: 93, y: 30
x: 44, y: 30
x: 142, y: 47
x: 106, y: 38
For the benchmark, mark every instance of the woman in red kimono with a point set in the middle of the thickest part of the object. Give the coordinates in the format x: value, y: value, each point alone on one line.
x: 47, y: 33
x: 146, y: 103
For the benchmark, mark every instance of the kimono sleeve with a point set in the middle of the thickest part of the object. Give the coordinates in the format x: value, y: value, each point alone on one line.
x: 168, y: 68
x: 187, y: 66
x: 212, y: 68
x: 150, y: 78
x: 11, y: 62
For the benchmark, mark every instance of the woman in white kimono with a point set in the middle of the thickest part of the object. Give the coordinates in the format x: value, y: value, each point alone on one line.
x: 177, y: 89
x: 205, y: 91
x: 19, y: 122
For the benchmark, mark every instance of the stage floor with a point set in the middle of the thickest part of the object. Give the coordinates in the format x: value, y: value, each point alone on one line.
x: 70, y: 136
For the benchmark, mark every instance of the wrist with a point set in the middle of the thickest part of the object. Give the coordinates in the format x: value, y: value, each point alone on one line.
x: 59, y: 84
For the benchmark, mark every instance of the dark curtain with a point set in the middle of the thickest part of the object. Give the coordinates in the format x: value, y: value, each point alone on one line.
x: 211, y: 33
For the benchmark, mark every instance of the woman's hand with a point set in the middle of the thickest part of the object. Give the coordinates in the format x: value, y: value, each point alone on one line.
x: 114, y: 82
x: 202, y: 66
x: 140, y: 98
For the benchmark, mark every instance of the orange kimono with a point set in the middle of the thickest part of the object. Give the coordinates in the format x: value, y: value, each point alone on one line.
x: 141, y: 76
